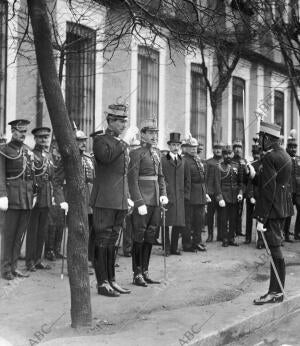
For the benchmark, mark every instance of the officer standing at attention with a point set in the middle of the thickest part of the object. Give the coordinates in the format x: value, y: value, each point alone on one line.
x: 147, y: 190
x: 17, y: 192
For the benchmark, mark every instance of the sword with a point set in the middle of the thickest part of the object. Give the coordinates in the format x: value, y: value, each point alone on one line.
x: 163, y: 209
x: 64, y: 243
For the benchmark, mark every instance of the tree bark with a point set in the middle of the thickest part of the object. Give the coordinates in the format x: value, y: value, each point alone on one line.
x: 77, y: 219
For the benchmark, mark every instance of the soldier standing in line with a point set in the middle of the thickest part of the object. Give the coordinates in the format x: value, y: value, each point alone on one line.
x: 213, y: 207
x: 195, y: 205
x: 38, y: 223
x: 147, y: 190
x: 110, y: 196
x: 178, y: 190
x: 273, y: 203
x: 240, y: 164
x: 17, y: 192
x: 294, y: 187
x: 228, y: 194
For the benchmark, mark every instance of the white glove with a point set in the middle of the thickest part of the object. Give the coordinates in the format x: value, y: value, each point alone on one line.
x: 53, y: 201
x: 130, y: 134
x: 252, y: 200
x: 208, y: 199
x: 34, y: 201
x: 3, y: 203
x: 65, y: 207
x: 222, y: 203
x: 142, y: 209
x: 260, y: 227
x: 130, y: 203
x: 163, y: 199
x: 239, y: 197
x: 251, y: 170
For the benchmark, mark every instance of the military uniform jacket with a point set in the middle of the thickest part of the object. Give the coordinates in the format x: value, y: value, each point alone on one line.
x: 197, y: 171
x: 145, y: 177
x: 241, y: 164
x: 210, y: 176
x: 251, y: 190
x: 17, y: 175
x: 228, y: 182
x: 274, y: 197
x: 295, y: 179
x: 178, y: 185
x: 110, y: 189
x: 44, y: 173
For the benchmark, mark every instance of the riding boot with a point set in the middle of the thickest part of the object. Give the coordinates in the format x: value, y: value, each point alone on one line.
x: 147, y: 247
x: 136, y: 256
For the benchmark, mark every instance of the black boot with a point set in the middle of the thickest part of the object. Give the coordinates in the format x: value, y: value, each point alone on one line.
x: 147, y: 247
x: 138, y: 279
x: 101, y: 272
x: 280, y: 266
x: 111, y: 258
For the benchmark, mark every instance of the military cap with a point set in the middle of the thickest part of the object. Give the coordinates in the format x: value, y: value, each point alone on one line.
x: 80, y: 135
x: 227, y: 149
x: 191, y: 142
x: 96, y: 133
x: 270, y: 129
x: 218, y: 144
x: 174, y: 138
x: 41, y: 131
x: 237, y: 143
x: 19, y: 124
x: 292, y: 140
x: 117, y: 111
x: 149, y: 124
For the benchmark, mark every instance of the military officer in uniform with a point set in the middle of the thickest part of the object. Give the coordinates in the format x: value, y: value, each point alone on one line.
x: 38, y: 223
x: 294, y: 187
x: 147, y: 190
x: 196, y: 203
x: 213, y: 207
x: 17, y: 192
x: 273, y: 202
x: 228, y: 194
x: 109, y: 198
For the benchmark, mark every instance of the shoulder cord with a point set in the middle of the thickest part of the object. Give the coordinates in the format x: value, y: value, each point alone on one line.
x: 12, y: 157
x: 225, y: 171
x: 22, y: 172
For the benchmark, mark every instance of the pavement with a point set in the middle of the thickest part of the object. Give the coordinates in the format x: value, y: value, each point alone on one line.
x: 205, y: 300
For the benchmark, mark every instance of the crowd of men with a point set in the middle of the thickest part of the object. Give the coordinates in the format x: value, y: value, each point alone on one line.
x: 135, y: 189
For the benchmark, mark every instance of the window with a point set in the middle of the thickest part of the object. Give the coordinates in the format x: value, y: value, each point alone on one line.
x: 238, y: 109
x: 198, y: 105
x: 148, y: 83
x: 80, y: 76
x: 279, y: 109
x: 3, y: 64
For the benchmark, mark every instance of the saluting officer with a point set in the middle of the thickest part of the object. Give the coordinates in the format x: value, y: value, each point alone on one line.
x: 38, y: 223
x: 109, y: 198
x: 228, y: 194
x: 273, y: 202
x: 147, y: 190
x: 16, y: 195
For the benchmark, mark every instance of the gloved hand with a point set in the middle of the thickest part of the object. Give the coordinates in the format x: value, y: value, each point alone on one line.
x: 65, y: 207
x: 34, y: 201
x: 252, y: 200
x: 251, y: 170
x: 130, y: 134
x: 163, y: 200
x: 142, y: 209
x: 53, y: 201
x: 239, y: 197
x: 260, y: 227
x: 208, y: 199
x: 222, y: 203
x: 3, y: 203
x: 130, y: 203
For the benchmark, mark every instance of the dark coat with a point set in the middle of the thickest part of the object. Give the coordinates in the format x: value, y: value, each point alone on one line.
x: 178, y: 186
x: 295, y: 179
x: 146, y: 162
x: 272, y: 179
x: 242, y: 166
x: 197, y: 171
x: 14, y: 184
x: 210, y: 175
x: 251, y: 189
x: 110, y: 189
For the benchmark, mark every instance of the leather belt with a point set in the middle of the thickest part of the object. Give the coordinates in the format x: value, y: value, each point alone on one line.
x: 148, y: 177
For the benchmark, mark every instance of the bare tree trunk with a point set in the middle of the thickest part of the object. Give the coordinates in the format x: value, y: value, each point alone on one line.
x: 77, y: 220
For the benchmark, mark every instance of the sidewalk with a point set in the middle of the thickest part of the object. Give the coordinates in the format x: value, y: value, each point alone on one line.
x: 206, y: 300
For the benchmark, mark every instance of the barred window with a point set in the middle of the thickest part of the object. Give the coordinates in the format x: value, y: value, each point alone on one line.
x: 238, y: 109
x: 198, y: 105
x: 3, y: 64
x: 279, y: 109
x: 148, y: 83
x: 80, y: 76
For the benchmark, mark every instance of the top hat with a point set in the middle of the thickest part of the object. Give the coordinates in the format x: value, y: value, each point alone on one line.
x: 237, y: 143
x: 270, y: 129
x: 19, y: 124
x: 174, y: 138
x: 41, y: 131
x: 149, y: 124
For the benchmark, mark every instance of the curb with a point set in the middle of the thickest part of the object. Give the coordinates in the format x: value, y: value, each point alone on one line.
x: 263, y: 317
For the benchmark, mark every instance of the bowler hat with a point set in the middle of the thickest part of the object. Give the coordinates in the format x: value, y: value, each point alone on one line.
x: 174, y: 138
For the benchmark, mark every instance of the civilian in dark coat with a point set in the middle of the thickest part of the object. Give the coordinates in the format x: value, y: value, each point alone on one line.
x: 178, y: 186
x: 273, y: 203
